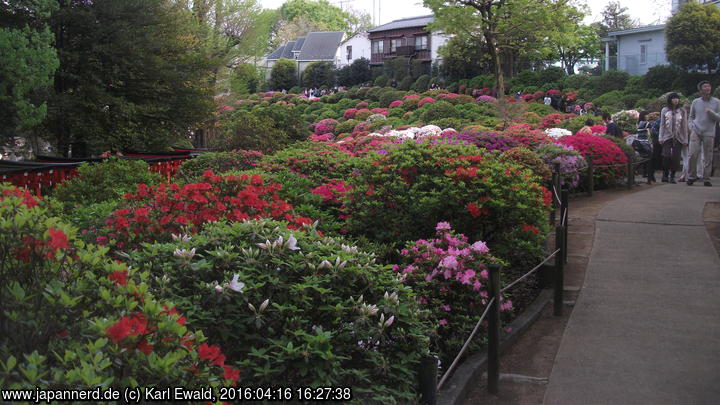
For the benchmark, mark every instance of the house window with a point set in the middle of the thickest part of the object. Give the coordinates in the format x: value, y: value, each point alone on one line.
x: 349, y: 51
x: 394, y: 43
x: 421, y: 43
x: 643, y: 53
x: 377, y: 46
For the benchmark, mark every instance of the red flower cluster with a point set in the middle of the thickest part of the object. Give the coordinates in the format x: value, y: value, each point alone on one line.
x: 120, y: 277
x: 170, y: 208
x: 475, y: 211
x: 214, y: 355
x: 531, y: 228
x: 127, y: 326
x: 602, y: 152
x: 553, y: 120
x: 333, y: 191
x: 525, y: 135
x: 58, y: 240
x: 29, y: 200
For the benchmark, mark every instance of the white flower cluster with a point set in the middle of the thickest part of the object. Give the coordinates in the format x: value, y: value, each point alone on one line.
x: 557, y: 132
x: 412, y: 133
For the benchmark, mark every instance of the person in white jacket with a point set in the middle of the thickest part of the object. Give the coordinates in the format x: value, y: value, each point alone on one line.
x: 704, y: 114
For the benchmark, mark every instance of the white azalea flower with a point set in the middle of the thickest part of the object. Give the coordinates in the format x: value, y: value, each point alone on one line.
x: 184, y: 253
x: 181, y: 237
x: 236, y: 285
x: 218, y: 288
x: 264, y: 304
x: 325, y: 265
x: 292, y: 243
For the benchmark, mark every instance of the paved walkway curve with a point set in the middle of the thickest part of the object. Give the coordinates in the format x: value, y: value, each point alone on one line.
x: 646, y: 326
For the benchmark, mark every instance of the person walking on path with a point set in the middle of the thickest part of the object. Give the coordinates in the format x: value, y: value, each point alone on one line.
x: 611, y: 127
x: 673, y: 135
x: 704, y: 114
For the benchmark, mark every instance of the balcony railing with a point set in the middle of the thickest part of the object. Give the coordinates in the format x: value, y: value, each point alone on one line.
x: 405, y: 50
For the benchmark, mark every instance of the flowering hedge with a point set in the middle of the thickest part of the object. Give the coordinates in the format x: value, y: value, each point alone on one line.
x: 298, y: 308
x: 530, y: 160
x: 608, y: 159
x: 525, y: 135
x: 154, y: 213
x: 74, y: 318
x: 572, y: 164
x: 486, y: 199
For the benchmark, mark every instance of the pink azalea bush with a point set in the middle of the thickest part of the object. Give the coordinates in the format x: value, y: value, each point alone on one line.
x: 486, y: 99
x: 325, y: 126
x: 396, y: 104
x: 450, y: 277
x: 609, y: 160
x: 526, y: 135
x: 361, y: 104
x: 349, y: 113
x: 426, y: 100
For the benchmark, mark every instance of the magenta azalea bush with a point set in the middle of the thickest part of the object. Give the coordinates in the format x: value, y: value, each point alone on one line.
x: 608, y: 159
x: 325, y: 126
x: 426, y: 100
x: 396, y: 104
x: 450, y: 277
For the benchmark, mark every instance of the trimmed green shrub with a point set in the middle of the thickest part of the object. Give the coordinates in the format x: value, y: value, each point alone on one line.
x: 220, y: 162
x: 380, y: 81
x: 104, y: 181
x: 421, y: 84
x: 528, y: 159
x: 305, y: 309
x: 405, y: 83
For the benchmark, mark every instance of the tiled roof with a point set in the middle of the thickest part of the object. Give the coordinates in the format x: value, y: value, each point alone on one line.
x: 298, y: 44
x: 647, y: 28
x: 320, y: 45
x: 421, y: 21
x: 276, y: 54
x: 287, y: 52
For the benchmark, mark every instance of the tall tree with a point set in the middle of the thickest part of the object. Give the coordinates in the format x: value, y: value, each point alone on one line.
x: 692, y: 36
x: 509, y: 29
x: 319, y: 74
x: 615, y: 17
x: 283, y: 75
x: 577, y: 42
x: 28, y: 64
x: 132, y: 75
x: 296, y: 18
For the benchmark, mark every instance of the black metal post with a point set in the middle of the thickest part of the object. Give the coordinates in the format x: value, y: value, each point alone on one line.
x: 630, y: 172
x: 558, y: 276
x: 564, y: 194
x: 591, y: 180
x: 428, y: 380
x: 556, y: 187
x: 494, y: 331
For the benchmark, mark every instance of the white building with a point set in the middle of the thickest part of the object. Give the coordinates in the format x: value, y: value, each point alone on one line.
x: 352, y: 49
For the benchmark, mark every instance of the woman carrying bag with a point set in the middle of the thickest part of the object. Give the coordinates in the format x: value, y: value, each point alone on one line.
x: 673, y: 135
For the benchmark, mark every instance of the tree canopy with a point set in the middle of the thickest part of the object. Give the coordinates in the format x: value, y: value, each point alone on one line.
x: 296, y: 18
x: 283, y: 75
x: 28, y: 64
x: 133, y: 75
x: 692, y: 36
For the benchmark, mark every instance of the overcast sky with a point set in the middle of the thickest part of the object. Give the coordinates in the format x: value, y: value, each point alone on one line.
x: 645, y: 11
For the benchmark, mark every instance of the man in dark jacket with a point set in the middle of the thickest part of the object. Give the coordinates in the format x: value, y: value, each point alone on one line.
x: 612, y: 128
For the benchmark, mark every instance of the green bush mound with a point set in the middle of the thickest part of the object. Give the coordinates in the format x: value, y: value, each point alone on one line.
x: 220, y: 162
x: 297, y: 307
x: 73, y: 318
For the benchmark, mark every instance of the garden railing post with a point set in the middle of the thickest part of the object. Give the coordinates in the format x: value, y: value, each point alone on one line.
x: 565, y: 218
x: 649, y: 170
x: 558, y: 276
x: 428, y: 379
x: 556, y: 187
x: 591, y: 174
x: 494, y: 331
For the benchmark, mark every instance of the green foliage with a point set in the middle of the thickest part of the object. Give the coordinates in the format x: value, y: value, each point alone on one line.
x: 421, y: 84
x: 612, y: 80
x: 660, y: 77
x: 691, y: 34
x: 283, y: 74
x: 29, y: 62
x: 527, y: 159
x: 388, y: 96
x: 132, y: 75
x: 380, y: 81
x: 319, y: 74
x: 414, y: 180
x: 540, y: 109
x: 310, y: 311
x: 405, y: 83
x: 245, y: 79
x: 220, y: 162
x: 62, y: 301
x: 551, y: 74
x: 578, y: 81
x: 437, y: 110
x: 610, y: 101
x: 360, y: 72
x: 303, y: 16
x: 462, y: 58
x: 105, y: 181
x: 245, y: 130
x: 626, y: 149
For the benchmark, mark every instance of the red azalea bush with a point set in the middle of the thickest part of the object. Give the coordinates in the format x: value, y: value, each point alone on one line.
x: 383, y: 111
x: 528, y: 97
x: 453, y: 183
x: 396, y: 104
x: 554, y: 120
x: 553, y: 92
x: 608, y: 159
x: 154, y: 213
x: 86, y: 320
x: 361, y: 104
x: 525, y: 135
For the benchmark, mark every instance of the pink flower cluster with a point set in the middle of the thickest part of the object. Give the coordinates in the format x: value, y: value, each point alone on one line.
x: 426, y: 100
x: 349, y: 113
x: 396, y: 104
x: 333, y: 191
x: 325, y: 126
x: 383, y: 111
x: 598, y: 129
x: 448, y: 270
x: 361, y: 104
